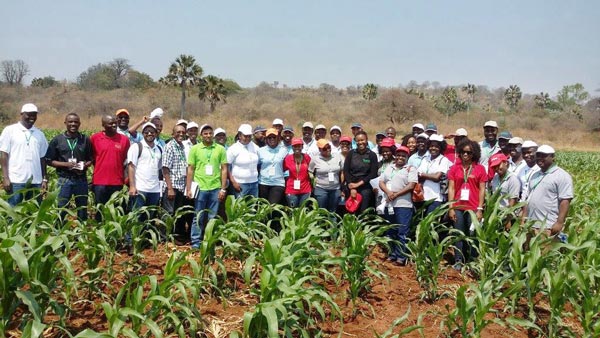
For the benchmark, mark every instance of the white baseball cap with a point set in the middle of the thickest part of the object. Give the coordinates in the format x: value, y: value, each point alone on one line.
x: 192, y: 125
x: 490, y: 123
x: 461, y: 132
x: 515, y: 140
x: 158, y: 112
x: 29, y: 108
x: 529, y: 144
x: 436, y: 137
x: 308, y: 125
x: 277, y: 121
x: 418, y: 125
x: 219, y: 131
x: 182, y: 122
x: 320, y: 126
x: 423, y: 135
x: 245, y: 129
x: 545, y: 149
x: 335, y: 128
x: 149, y: 124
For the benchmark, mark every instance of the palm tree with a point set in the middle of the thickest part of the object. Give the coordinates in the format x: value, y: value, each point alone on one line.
x: 369, y: 91
x: 542, y: 100
x: 212, y: 89
x: 470, y: 89
x: 185, y: 73
x: 512, y: 96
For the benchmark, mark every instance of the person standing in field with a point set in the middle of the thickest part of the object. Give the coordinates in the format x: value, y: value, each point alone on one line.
x: 206, y: 181
x: 297, y: 186
x: 432, y: 173
x: 506, y: 182
x: 192, y: 137
x: 422, y: 152
x: 242, y: 157
x: 71, y: 154
x: 529, y: 149
x: 466, y: 188
x: 335, y: 133
x: 174, y: 169
x: 123, y: 125
x: 549, y: 195
x: 271, y: 181
x: 327, y: 170
x: 489, y: 146
x: 22, y: 150
x: 515, y: 162
x: 450, y: 152
x: 221, y: 137
x: 360, y: 167
x: 110, y: 152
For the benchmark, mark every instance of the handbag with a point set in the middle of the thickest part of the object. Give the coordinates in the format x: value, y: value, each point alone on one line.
x: 418, y: 194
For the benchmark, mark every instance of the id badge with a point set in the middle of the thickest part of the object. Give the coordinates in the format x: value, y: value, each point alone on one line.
x: 388, y: 186
x: 208, y: 170
x: 271, y: 171
x: 296, y: 184
x: 464, y: 194
x: 331, y: 177
x: 72, y: 160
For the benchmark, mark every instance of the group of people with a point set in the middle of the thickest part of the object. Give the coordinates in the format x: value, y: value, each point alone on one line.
x: 196, y: 167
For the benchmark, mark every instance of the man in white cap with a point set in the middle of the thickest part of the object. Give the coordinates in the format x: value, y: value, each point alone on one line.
x: 192, y: 137
x: 307, y: 137
x: 206, y: 181
x: 489, y: 146
x: 417, y: 129
x: 278, y: 124
x: 549, y: 194
x: 335, y: 133
x: 516, y: 162
x: 422, y: 151
x: 22, y: 151
x: 450, y: 152
x: 221, y: 137
x: 529, y: 148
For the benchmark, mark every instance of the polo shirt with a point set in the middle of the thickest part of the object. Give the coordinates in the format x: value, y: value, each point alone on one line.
x: 297, y: 173
x: 270, y: 162
x: 25, y: 147
x: 431, y: 189
x: 397, y: 179
x: 243, y: 161
x: 476, y: 176
x: 147, y: 165
x: 326, y: 168
x: 516, y: 167
x: 510, y: 187
x: 138, y: 137
x: 524, y: 176
x: 415, y: 159
x: 187, y: 145
x: 486, y: 152
x: 174, y: 159
x: 63, y: 147
x: 201, y: 156
x: 110, y: 154
x: 545, y: 192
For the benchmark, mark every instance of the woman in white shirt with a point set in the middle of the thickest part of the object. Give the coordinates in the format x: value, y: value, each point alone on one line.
x: 432, y: 173
x: 243, y: 164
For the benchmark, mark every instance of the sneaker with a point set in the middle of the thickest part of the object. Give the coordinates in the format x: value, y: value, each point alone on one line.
x: 402, y: 261
x: 457, y: 266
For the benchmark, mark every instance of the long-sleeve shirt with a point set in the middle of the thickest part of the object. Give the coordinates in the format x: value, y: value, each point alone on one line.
x: 360, y: 167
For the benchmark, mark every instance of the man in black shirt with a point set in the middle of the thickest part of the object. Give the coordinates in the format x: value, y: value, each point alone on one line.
x: 71, y: 154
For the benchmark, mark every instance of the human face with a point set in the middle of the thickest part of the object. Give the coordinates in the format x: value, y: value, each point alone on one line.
x: 279, y: 127
x: 297, y: 149
x: 344, y: 147
x: 390, y: 132
x: 361, y: 142
x: 72, y: 123
x: 544, y: 161
x: 515, y: 151
x: 109, y: 124
x: 421, y: 144
x: 386, y: 154
x: 335, y: 135
x: 430, y: 132
x: 416, y: 131
x: 259, y: 136
x: 320, y: 133
x: 245, y: 139
x: 434, y: 149
x: 401, y: 158
x: 378, y: 139
x: 159, y: 125
x: 287, y: 136
x: 123, y: 121
x: 221, y: 138
x: 307, y: 133
x: 207, y: 136
x: 178, y: 133
x: 355, y: 130
x: 466, y: 154
x: 28, y: 119
x: 412, y: 144
x: 457, y: 139
x: 503, y: 144
x: 501, y: 168
x: 325, y: 151
x: 149, y: 134
x: 192, y: 134
x: 272, y: 141
x: 529, y: 156
x: 490, y: 134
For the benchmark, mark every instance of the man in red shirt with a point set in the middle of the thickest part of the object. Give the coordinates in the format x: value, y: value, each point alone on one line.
x: 110, y: 151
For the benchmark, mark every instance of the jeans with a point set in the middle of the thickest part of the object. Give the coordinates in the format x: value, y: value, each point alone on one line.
x: 462, y: 248
x: 295, y: 201
x: 272, y: 193
x: 207, y: 204
x: 102, y: 195
x: 76, y: 187
x: 140, y: 200
x: 18, y: 195
x: 401, y: 221
x: 247, y: 189
x: 328, y: 199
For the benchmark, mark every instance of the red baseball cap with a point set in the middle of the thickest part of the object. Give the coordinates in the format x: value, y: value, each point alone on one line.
x: 496, y: 159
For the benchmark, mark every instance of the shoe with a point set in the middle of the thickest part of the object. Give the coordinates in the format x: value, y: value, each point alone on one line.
x: 130, y: 250
x: 402, y: 261
x: 457, y: 266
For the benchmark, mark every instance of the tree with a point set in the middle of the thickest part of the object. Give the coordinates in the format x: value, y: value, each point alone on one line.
x: 184, y: 73
x: 138, y: 80
x: 571, y: 99
x: 44, y: 82
x: 541, y: 101
x: 369, y: 92
x: 470, y: 90
x: 512, y: 96
x: 13, y: 71
x: 105, y: 76
x: 119, y: 67
x: 212, y: 89
x: 448, y: 103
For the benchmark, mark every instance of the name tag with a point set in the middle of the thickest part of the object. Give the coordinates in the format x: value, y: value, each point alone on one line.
x: 271, y: 171
x: 208, y: 170
x: 464, y: 194
x: 331, y: 177
x: 296, y: 184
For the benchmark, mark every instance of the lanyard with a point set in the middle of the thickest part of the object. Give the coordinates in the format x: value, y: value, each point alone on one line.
x: 180, y: 151
x: 549, y: 171
x: 27, y: 138
x: 151, y: 150
x: 72, y: 146
x: 465, y: 174
x: 298, y: 167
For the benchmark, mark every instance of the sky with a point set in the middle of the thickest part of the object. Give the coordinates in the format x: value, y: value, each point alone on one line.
x: 538, y: 45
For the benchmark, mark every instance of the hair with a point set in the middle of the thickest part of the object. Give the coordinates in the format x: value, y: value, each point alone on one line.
x: 407, y: 137
x: 443, y: 146
x: 474, y: 148
x: 361, y: 132
x: 71, y: 114
x: 392, y: 148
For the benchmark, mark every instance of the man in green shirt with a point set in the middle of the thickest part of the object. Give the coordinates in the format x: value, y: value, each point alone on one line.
x: 206, y: 181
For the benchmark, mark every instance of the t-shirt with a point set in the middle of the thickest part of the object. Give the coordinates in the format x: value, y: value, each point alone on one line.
x: 138, y: 136
x: 546, y: 191
x: 207, y: 161
x: 431, y: 189
x: 25, y: 147
x: 62, y: 148
x: 147, y: 164
x: 326, y: 171
x: 243, y: 161
x: 475, y: 176
x: 397, y: 179
x: 297, y: 173
x: 109, y: 158
x: 270, y: 161
x: 510, y: 187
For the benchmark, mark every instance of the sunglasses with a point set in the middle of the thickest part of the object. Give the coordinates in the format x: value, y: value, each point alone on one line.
x: 466, y: 152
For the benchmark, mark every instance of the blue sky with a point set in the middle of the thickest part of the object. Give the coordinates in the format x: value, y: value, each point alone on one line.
x: 538, y: 45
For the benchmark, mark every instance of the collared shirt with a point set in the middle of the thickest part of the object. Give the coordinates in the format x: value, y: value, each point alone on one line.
x: 415, y: 159
x: 187, y: 145
x: 110, y: 154
x: 138, y: 136
x: 545, y: 192
x: 486, y: 152
x: 207, y: 161
x: 431, y: 189
x: 326, y: 171
x: 516, y: 167
x: 25, y: 147
x: 524, y: 175
x: 243, y: 161
x: 174, y: 159
x: 397, y: 179
x: 62, y: 148
x: 510, y: 187
x: 270, y: 161
x: 147, y: 165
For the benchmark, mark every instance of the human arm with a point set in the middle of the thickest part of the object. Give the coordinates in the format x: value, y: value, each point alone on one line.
x: 451, y: 194
x: 563, y: 210
x: 131, y: 174
x: 44, y: 178
x: 5, y: 179
x: 223, y: 191
x: 133, y: 128
x: 479, y: 212
x: 188, y: 180
x: 167, y: 177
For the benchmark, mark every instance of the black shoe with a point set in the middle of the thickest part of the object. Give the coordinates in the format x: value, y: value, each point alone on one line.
x: 130, y: 250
